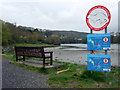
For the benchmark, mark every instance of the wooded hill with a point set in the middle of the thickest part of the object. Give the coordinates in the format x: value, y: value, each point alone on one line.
x: 12, y: 34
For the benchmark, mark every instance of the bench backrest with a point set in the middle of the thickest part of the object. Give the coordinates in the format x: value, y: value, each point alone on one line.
x: 30, y: 51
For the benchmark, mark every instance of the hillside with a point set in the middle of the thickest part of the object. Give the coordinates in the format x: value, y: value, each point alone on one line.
x: 12, y: 34
x: 74, y: 34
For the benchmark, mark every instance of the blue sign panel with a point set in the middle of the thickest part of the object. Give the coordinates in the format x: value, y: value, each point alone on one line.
x: 98, y: 41
x: 99, y: 62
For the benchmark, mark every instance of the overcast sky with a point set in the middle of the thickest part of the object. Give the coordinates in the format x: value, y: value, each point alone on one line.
x: 55, y: 14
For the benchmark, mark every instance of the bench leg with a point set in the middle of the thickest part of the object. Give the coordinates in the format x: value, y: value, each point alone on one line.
x: 23, y: 58
x: 43, y: 62
x: 16, y: 58
x: 51, y: 61
x: 51, y: 58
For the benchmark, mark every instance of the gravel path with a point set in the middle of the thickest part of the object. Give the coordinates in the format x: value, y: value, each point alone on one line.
x: 17, y: 77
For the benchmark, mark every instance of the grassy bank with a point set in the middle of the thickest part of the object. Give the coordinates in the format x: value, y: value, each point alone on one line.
x: 75, y: 77
x: 36, y: 45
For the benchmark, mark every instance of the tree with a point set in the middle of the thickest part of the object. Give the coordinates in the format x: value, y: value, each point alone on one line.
x: 53, y: 39
x: 0, y: 32
x: 84, y: 40
x: 6, y: 35
x: 48, y: 33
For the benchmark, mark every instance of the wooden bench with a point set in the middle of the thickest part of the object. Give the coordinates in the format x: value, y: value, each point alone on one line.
x: 37, y: 52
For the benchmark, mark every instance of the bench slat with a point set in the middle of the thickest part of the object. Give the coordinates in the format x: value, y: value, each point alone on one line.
x: 30, y: 51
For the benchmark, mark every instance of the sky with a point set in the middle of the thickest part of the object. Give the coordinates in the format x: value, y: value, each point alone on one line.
x: 55, y: 14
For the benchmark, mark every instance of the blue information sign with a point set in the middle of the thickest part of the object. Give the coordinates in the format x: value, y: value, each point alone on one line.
x: 98, y: 41
x: 99, y: 62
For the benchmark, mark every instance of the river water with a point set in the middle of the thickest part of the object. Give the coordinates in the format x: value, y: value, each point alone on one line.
x: 77, y: 53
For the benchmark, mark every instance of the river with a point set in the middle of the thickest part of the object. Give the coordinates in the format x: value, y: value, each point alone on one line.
x: 77, y: 53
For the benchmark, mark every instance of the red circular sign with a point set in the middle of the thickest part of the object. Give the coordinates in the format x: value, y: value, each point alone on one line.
x: 105, y: 39
x: 105, y: 60
x: 98, y: 18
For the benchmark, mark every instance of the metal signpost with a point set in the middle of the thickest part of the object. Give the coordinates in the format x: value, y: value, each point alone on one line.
x: 97, y: 19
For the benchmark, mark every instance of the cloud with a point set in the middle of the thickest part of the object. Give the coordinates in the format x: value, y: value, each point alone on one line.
x: 64, y: 14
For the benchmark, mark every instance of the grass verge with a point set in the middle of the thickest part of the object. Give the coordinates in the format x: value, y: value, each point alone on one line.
x: 36, y: 45
x: 76, y: 77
